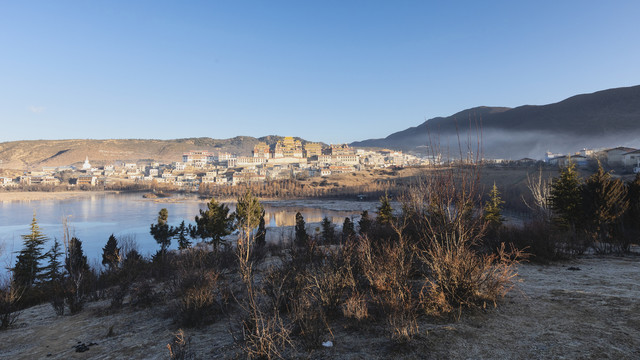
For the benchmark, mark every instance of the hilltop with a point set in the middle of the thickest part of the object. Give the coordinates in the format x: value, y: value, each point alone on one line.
x: 35, y: 154
x: 605, y: 118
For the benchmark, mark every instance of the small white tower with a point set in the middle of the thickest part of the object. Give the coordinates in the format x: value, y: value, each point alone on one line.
x: 86, y: 165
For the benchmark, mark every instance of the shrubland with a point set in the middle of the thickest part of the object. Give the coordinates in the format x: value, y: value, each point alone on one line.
x: 445, y: 253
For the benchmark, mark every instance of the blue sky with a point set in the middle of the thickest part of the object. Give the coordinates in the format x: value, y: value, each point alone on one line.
x: 332, y: 71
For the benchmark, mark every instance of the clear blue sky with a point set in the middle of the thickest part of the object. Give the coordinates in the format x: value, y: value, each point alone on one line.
x: 332, y: 71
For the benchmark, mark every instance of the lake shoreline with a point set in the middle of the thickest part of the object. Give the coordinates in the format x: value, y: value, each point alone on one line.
x: 52, y: 195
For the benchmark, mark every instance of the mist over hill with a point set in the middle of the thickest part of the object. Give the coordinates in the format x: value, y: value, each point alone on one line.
x: 602, y: 119
x: 35, y: 154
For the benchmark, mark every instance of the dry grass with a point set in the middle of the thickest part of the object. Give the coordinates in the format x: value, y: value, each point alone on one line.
x: 355, y: 307
x: 180, y: 347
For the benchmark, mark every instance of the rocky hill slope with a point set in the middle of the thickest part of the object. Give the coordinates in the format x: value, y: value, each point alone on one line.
x: 34, y: 154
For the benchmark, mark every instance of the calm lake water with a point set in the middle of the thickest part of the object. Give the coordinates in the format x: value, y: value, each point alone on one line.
x: 92, y: 219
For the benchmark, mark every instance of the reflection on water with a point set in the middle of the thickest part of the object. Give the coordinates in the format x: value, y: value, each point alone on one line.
x: 93, y: 219
x: 287, y: 217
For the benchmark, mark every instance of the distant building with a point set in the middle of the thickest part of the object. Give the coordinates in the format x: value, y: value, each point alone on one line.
x: 6, y: 182
x: 615, y: 156
x: 312, y: 149
x: 86, y: 166
x: 261, y: 150
x: 632, y: 159
x: 86, y: 180
x: 196, y: 158
x: 341, y: 149
x: 250, y: 161
x: 288, y: 147
x: 563, y: 161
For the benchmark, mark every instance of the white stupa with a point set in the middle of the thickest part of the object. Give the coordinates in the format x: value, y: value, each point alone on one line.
x: 86, y: 165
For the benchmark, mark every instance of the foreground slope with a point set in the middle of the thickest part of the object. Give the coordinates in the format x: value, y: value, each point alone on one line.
x: 556, y: 312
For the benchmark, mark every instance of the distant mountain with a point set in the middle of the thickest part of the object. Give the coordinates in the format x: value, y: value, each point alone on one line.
x: 602, y: 119
x: 35, y: 154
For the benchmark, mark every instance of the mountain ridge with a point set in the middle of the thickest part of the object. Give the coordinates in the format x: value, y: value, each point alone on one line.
x: 600, y: 119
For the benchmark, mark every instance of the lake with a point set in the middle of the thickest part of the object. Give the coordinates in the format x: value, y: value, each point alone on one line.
x: 93, y: 218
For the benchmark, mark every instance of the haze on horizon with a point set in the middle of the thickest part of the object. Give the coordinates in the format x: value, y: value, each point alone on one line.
x: 327, y: 71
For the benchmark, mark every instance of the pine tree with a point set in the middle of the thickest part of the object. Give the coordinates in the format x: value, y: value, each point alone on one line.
x: 248, y: 212
x: 632, y: 217
x: 111, y: 253
x: 261, y: 235
x: 328, y: 231
x: 27, y: 270
x: 493, y: 208
x: 54, y: 278
x: 52, y: 271
x: 385, y: 212
x: 161, y: 231
x: 214, y: 224
x: 365, y: 223
x: 605, y: 201
x: 77, y: 268
x: 181, y: 235
x: 566, y: 198
x: 348, y: 230
x: 301, y: 232
x: 75, y: 260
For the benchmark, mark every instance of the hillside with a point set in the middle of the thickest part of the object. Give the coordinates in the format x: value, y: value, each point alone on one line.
x: 34, y: 154
x: 601, y: 119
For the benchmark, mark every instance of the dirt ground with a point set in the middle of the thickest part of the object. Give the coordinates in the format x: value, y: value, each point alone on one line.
x: 587, y: 308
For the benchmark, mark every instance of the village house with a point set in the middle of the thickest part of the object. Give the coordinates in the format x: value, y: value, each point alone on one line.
x: 631, y: 159
x: 243, y: 161
x: 261, y: 150
x: 564, y: 161
x: 615, y: 156
x: 197, y: 158
x: 86, y: 180
x: 339, y: 169
x: 345, y: 159
x: 7, y: 182
x: 179, y: 166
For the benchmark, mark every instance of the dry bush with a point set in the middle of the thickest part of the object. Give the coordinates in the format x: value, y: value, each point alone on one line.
x: 180, y: 347
x: 356, y: 307
x: 57, y: 298
x: 309, y: 320
x: 327, y: 283
x: 9, y: 298
x: 143, y: 295
x: 285, y: 283
x: 401, y: 311
x: 537, y: 237
x: 201, y: 296
x: 387, y: 269
x: 282, y: 285
x: 459, y: 277
x: 118, y: 294
x: 265, y: 335
x: 444, y: 213
x: 388, y: 272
